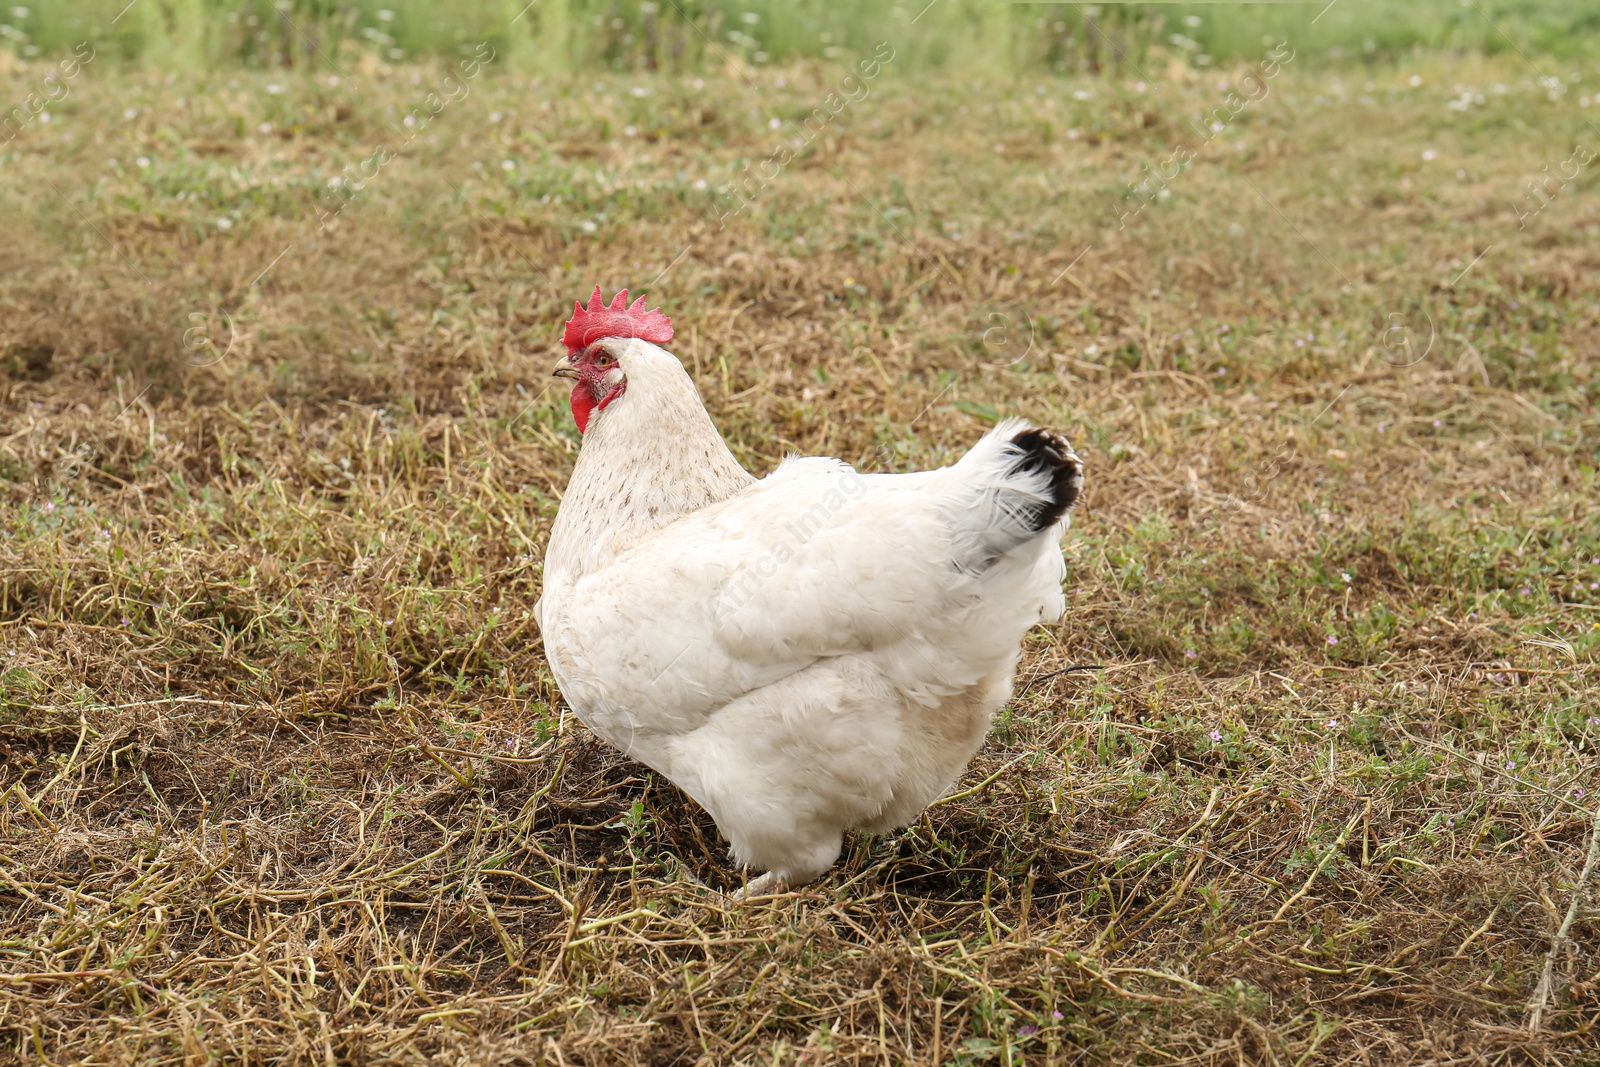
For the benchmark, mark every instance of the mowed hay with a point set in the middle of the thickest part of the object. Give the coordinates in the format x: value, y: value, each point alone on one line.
x: 1305, y: 777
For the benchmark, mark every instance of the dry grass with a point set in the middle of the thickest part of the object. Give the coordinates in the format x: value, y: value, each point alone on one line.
x: 285, y: 776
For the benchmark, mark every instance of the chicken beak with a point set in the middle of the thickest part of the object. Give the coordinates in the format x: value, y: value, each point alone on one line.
x: 565, y: 369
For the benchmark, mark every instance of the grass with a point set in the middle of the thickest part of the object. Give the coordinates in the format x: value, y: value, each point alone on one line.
x: 997, y: 39
x: 1305, y: 777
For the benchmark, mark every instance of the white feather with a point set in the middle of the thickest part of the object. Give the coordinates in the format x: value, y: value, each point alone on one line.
x: 812, y: 652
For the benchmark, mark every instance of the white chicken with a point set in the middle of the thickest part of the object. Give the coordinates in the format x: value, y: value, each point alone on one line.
x: 816, y: 651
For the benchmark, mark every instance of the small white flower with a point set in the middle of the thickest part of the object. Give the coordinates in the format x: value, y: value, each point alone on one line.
x: 508, y: 164
x: 274, y: 88
x: 630, y: 131
x: 699, y: 83
x: 143, y: 161
x: 495, y: 116
x: 588, y: 226
x: 130, y: 113
x: 640, y: 90
x: 224, y: 223
x: 411, y: 120
x: 333, y: 81
x: 700, y: 184
x: 1429, y: 155
x: 1414, y: 81
x: 385, y: 15
x: 20, y: 12
x: 265, y: 127
x: 1082, y: 94
x: 774, y: 123
x: 44, y: 116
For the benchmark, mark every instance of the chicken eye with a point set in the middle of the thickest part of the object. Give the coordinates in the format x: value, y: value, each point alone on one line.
x: 604, y: 360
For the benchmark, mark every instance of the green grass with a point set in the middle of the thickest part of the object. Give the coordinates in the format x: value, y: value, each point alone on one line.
x: 284, y: 776
x: 997, y: 39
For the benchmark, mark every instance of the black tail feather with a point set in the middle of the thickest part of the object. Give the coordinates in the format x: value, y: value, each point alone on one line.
x: 1041, y: 451
x: 1039, y: 478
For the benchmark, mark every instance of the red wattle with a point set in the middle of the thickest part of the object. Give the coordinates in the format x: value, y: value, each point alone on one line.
x: 582, y: 406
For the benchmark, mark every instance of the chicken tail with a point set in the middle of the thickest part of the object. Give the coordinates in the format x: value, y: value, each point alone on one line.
x: 1021, y: 481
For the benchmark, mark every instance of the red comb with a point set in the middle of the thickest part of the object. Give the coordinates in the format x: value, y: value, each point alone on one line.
x: 590, y: 324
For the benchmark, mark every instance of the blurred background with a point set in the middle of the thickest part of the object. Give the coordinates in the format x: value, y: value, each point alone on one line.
x: 684, y: 34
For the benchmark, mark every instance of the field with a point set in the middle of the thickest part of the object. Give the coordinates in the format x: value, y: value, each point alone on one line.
x: 1308, y: 775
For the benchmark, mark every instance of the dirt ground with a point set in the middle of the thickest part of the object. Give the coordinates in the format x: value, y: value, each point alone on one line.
x: 1306, y: 776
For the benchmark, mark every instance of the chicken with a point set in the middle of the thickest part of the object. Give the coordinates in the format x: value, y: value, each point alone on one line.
x: 816, y: 651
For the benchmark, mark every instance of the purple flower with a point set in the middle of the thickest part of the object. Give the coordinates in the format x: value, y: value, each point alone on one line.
x: 1511, y: 764
x: 1333, y: 724
x: 1027, y: 1031
x: 1189, y: 653
x: 1216, y: 735
x: 1437, y: 423
x: 1332, y: 640
x: 1525, y: 591
x: 1057, y: 1014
